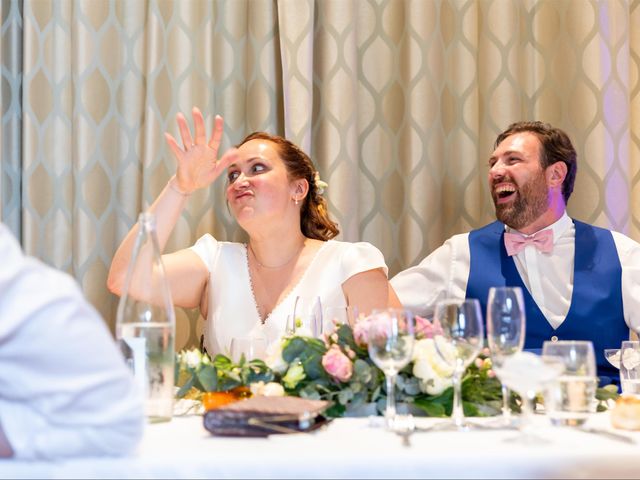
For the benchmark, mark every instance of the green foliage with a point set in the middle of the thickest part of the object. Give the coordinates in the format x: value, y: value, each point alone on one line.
x: 195, y: 370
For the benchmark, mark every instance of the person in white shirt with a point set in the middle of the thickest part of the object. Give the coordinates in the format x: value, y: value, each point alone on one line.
x: 580, y: 282
x: 65, y: 390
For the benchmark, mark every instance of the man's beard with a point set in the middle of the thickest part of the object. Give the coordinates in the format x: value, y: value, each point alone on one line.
x: 532, y: 200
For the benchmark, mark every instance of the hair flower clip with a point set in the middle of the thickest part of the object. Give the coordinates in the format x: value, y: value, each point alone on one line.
x: 320, y: 185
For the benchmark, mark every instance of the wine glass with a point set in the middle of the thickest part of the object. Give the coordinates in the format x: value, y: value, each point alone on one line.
x: 461, y: 323
x: 307, y: 316
x: 613, y: 356
x: 569, y: 399
x: 390, y: 338
x: 630, y: 368
x: 527, y: 373
x: 247, y: 347
x: 505, y: 332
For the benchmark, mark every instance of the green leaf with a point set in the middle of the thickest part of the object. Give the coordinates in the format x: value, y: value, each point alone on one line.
x: 362, y: 371
x: 432, y: 409
x: 185, y: 388
x: 293, y: 349
x: 208, y: 378
x: 345, y: 396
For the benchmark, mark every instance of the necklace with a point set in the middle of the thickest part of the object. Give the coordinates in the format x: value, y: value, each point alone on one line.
x: 275, y: 266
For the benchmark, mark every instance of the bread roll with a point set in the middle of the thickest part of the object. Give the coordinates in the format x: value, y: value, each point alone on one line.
x: 626, y: 413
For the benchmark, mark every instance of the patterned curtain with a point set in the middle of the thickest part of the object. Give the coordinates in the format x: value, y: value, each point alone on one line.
x: 397, y: 101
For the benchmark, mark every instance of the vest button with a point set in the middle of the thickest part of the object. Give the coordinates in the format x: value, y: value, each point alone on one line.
x: 554, y: 339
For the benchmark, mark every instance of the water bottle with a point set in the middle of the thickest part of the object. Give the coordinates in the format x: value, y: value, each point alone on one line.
x: 145, y: 323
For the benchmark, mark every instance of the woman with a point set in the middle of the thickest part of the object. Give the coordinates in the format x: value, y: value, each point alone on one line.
x: 273, y: 192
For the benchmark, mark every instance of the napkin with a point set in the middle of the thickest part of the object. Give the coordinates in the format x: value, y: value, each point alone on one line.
x: 260, y: 416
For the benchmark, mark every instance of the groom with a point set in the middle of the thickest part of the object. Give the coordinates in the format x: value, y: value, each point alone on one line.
x: 580, y: 282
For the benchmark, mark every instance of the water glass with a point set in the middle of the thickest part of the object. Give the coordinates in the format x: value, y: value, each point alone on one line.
x: 249, y: 347
x: 390, y: 337
x: 630, y: 368
x: 570, y: 398
x: 307, y: 316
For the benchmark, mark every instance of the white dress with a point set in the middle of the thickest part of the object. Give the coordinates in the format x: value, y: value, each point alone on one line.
x: 232, y: 306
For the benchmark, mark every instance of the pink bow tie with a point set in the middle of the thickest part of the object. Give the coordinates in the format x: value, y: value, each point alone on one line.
x: 515, y: 242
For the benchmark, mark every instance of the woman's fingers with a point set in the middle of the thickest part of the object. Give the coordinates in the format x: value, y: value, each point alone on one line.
x: 173, y: 145
x: 216, y: 133
x: 198, y: 123
x: 185, y: 133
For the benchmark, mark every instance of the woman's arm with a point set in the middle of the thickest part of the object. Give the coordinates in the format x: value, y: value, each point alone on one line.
x: 369, y: 290
x: 198, y: 167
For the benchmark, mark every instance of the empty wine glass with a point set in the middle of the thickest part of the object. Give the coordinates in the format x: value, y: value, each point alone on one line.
x: 630, y: 368
x: 249, y: 347
x: 505, y: 332
x: 307, y: 316
x: 461, y: 323
x: 390, y: 339
x: 527, y: 373
x: 613, y: 356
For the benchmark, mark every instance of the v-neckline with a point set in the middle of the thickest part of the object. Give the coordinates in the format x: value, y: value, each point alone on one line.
x: 288, y: 294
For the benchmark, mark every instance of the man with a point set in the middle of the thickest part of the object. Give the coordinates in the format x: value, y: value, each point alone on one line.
x: 64, y: 387
x: 580, y: 282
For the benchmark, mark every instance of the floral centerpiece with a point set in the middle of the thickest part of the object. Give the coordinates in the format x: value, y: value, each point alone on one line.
x: 337, y: 368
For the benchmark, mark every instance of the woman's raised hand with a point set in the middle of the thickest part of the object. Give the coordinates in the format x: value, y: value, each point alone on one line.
x: 198, y: 163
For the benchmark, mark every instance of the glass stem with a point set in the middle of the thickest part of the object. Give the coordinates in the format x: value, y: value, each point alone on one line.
x: 527, y: 411
x: 506, y: 411
x: 390, y: 412
x: 457, y: 413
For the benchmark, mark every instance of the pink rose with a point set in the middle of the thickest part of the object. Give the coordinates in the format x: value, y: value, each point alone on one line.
x: 337, y: 364
x: 427, y: 329
x: 361, y: 332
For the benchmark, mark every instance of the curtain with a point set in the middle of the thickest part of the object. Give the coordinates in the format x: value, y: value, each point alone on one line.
x: 398, y: 102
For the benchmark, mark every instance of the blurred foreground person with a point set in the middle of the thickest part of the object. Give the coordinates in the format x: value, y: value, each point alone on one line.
x: 65, y: 390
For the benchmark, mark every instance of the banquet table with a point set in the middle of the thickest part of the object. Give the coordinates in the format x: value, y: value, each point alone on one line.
x: 357, y: 448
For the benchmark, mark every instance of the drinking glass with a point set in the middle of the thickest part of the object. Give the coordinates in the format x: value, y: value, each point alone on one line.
x: 391, y: 338
x: 569, y: 399
x: 249, y: 347
x: 613, y: 356
x: 630, y: 368
x: 527, y: 373
x: 461, y: 323
x: 307, y: 315
x: 505, y: 332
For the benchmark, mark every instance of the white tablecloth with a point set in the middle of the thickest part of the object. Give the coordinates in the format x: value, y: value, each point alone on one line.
x: 353, y: 448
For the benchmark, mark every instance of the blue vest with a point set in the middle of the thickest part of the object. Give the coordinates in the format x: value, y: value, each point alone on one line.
x: 596, y: 311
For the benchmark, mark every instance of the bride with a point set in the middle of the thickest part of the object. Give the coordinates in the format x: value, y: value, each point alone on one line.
x: 275, y: 194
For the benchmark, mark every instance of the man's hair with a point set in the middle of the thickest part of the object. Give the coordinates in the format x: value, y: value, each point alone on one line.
x: 556, y: 147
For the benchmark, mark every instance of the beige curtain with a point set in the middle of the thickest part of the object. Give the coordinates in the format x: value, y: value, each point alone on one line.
x: 397, y: 101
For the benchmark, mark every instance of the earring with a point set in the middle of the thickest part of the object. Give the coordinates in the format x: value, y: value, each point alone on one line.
x: 296, y: 201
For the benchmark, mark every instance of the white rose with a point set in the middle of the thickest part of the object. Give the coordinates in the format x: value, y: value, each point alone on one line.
x: 274, y: 358
x: 273, y: 389
x: 436, y: 385
x: 193, y: 358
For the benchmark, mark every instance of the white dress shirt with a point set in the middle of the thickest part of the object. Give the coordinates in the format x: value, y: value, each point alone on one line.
x: 547, y: 276
x: 64, y: 387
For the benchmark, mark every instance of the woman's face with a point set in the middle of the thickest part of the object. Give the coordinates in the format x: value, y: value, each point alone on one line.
x: 258, y: 183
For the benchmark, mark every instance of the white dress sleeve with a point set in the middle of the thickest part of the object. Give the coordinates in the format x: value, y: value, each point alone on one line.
x: 360, y: 257
x: 206, y: 247
x: 64, y: 387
